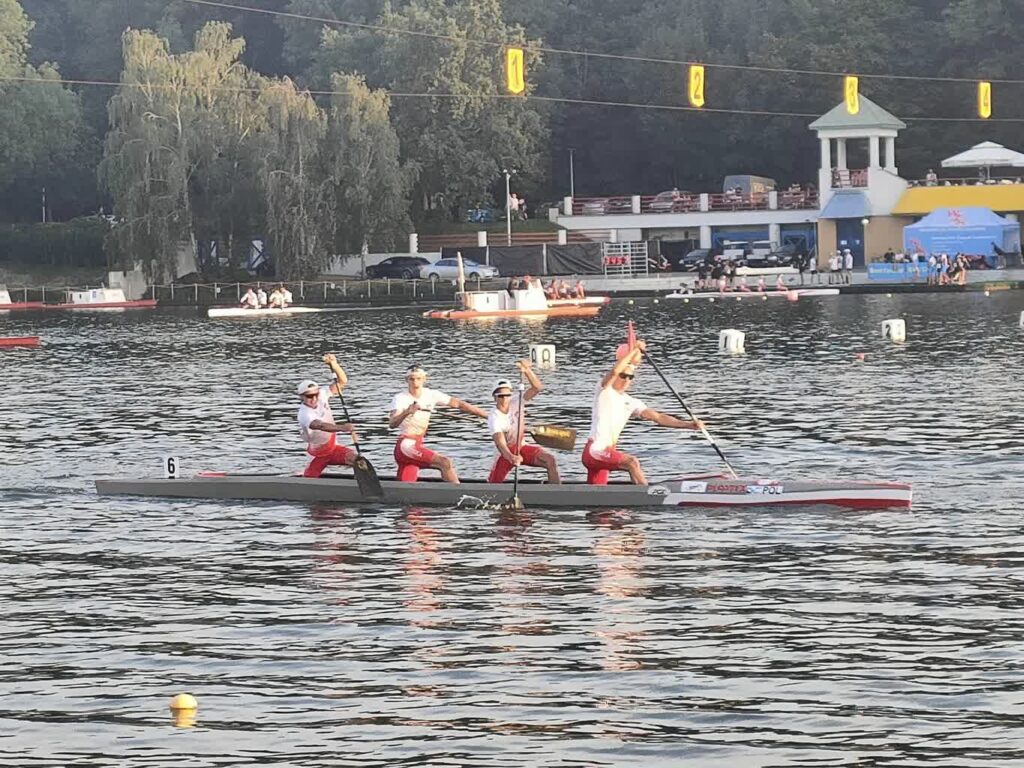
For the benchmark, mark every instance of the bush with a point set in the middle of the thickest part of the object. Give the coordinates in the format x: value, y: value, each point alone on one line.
x: 75, y: 243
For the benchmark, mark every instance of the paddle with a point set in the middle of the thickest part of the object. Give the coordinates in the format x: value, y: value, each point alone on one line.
x: 515, y: 502
x: 546, y: 435
x: 366, y: 475
x: 704, y: 431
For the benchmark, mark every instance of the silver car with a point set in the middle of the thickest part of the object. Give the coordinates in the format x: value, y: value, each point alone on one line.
x: 448, y: 269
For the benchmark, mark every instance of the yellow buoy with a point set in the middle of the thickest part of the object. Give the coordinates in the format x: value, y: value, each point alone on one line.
x: 631, y: 302
x: 184, y: 701
x: 988, y: 293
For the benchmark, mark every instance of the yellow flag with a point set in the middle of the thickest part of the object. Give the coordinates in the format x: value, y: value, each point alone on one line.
x: 515, y: 70
x: 696, y: 89
x: 985, y: 99
x: 852, y: 94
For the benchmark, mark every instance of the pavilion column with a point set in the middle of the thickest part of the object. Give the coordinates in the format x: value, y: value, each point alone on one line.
x: 841, y: 154
x: 875, y: 149
x: 890, y: 154
x: 826, y: 155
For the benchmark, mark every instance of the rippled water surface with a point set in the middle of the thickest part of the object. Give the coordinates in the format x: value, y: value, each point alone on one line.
x: 331, y: 636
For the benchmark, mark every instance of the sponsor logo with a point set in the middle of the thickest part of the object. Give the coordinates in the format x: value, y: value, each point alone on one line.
x: 692, y: 486
x: 657, y: 490
x: 726, y: 488
x: 765, y: 490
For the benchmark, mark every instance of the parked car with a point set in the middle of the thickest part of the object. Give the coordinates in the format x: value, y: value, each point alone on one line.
x: 690, y: 261
x: 405, y: 267
x: 786, y: 256
x: 448, y: 269
x: 598, y: 206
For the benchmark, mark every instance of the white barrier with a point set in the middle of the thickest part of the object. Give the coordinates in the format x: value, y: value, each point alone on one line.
x: 894, y: 330
x: 542, y: 355
x: 731, y: 342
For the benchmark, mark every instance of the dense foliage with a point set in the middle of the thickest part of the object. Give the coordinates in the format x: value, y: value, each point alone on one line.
x: 213, y: 137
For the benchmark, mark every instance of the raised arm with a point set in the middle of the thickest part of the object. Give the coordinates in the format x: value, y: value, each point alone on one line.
x: 341, y: 380
x: 535, y: 386
x: 633, y: 357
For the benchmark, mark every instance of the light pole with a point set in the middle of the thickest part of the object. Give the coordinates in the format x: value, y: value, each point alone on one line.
x: 508, y: 204
x: 572, y: 176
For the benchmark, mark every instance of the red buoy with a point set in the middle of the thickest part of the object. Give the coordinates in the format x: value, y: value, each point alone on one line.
x: 19, y: 341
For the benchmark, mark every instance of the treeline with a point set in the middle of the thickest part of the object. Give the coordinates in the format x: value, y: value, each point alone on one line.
x: 230, y: 124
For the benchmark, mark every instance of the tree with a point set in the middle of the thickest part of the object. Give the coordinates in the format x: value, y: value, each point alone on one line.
x: 371, y: 183
x: 459, y: 126
x: 299, y: 193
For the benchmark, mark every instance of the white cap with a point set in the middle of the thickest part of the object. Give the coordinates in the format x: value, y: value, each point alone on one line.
x: 307, y: 387
x: 501, y: 384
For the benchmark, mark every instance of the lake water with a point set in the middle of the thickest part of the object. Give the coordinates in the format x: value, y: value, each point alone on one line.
x: 331, y: 636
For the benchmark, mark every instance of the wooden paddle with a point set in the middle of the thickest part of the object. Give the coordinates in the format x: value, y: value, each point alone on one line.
x: 366, y: 475
x: 546, y: 435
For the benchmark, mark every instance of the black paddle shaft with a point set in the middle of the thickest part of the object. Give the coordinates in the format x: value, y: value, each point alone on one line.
x: 682, y: 402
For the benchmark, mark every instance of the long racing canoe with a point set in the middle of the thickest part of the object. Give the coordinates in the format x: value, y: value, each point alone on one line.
x: 695, y: 491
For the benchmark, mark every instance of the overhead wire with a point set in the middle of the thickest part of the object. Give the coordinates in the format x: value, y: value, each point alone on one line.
x: 593, y: 54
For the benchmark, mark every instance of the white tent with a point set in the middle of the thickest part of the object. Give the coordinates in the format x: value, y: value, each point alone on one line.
x: 986, y: 155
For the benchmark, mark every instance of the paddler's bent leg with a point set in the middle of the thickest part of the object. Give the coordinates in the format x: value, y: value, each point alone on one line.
x: 600, y: 461
x: 334, y: 455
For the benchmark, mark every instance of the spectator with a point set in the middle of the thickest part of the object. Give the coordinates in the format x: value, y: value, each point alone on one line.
x: 931, y: 179
x: 848, y: 266
x: 812, y: 260
x: 580, y: 291
x: 801, y: 265
x: 833, y: 267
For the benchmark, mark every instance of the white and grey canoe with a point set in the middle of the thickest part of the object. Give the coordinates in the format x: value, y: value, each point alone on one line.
x: 734, y: 294
x: 693, y: 491
x: 263, y: 312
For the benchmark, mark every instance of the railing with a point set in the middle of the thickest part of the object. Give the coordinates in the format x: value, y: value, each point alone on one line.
x: 601, y: 206
x: 736, y: 201
x: 968, y: 181
x: 691, y: 202
x: 434, y: 243
x: 315, y: 292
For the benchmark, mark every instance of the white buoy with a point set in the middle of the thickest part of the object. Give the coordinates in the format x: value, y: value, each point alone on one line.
x: 894, y: 330
x: 542, y: 355
x: 656, y: 301
x: 730, y: 342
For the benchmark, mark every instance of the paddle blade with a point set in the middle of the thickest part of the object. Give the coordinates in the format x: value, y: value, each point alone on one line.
x: 366, y: 478
x: 551, y: 436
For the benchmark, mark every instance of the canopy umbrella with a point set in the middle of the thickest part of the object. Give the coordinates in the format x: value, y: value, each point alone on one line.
x: 986, y: 155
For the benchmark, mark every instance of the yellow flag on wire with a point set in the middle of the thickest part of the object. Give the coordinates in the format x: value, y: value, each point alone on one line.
x: 696, y: 87
x: 851, y: 92
x: 985, y: 99
x: 515, y: 70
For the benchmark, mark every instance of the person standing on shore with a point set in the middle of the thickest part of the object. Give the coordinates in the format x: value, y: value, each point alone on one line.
x: 848, y: 266
x: 812, y: 259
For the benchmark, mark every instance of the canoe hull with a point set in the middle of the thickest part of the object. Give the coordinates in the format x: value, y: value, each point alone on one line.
x: 19, y: 341
x: 574, y: 310
x: 734, y: 294
x: 698, y: 491
x: 265, y: 312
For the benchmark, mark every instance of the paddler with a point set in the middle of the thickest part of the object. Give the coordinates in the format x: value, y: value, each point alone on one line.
x: 613, y: 407
x: 410, y: 414
x: 508, y: 432
x: 317, y: 425
x: 250, y: 300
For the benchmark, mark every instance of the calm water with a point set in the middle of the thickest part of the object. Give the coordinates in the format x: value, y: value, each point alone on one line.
x: 327, y: 636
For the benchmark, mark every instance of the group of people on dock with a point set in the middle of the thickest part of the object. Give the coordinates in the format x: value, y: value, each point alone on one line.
x: 257, y: 298
x: 555, y: 289
x: 411, y: 409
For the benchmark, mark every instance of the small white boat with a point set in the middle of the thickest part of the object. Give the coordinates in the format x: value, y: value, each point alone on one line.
x: 262, y: 312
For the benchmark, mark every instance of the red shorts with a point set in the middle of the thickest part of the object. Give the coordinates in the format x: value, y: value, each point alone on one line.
x: 412, y: 456
x: 531, y: 457
x: 330, y: 453
x: 600, y: 462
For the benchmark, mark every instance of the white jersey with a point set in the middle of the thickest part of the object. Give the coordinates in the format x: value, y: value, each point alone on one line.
x: 849, y: 261
x: 507, y: 423
x: 609, y: 415
x: 261, y: 297
x: 250, y: 300
x: 316, y: 438
x: 416, y: 424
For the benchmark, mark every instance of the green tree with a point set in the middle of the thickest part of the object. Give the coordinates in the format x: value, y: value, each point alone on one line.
x: 300, y: 200
x: 371, y: 183
x: 460, y: 128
